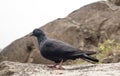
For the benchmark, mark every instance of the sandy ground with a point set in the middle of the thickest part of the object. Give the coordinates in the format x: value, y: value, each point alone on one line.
x: 28, y: 69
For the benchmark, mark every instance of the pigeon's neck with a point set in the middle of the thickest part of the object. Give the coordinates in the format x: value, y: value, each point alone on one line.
x: 41, y: 39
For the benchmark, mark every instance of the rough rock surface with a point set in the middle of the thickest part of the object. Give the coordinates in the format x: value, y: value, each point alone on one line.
x: 84, y: 28
x: 29, y: 69
x: 116, y: 2
x: 0, y: 50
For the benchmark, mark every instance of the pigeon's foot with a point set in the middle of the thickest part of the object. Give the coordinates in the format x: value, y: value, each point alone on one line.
x: 59, y: 67
x: 51, y: 66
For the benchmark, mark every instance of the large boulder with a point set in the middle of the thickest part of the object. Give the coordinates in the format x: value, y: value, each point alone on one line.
x: 84, y: 28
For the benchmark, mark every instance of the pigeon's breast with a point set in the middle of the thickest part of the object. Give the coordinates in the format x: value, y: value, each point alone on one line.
x: 48, y: 50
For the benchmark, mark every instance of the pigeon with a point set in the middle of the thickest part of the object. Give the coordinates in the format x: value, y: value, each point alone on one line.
x: 59, y: 51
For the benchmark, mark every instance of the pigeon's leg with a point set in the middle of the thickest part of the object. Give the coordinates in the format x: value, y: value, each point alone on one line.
x: 59, y: 66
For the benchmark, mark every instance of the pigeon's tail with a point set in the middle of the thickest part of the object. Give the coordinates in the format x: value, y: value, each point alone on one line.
x: 89, y: 58
x: 85, y: 56
x: 89, y: 52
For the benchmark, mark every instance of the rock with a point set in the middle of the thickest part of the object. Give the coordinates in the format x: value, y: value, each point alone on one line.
x: 113, y: 4
x: 112, y: 58
x: 28, y: 69
x: 84, y: 28
x: 116, y: 2
x: 0, y: 50
x: 23, y: 50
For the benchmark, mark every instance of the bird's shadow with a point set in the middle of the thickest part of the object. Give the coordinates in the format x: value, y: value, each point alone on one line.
x: 80, y: 67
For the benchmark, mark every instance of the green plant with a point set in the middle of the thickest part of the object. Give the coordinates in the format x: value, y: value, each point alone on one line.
x: 108, y: 48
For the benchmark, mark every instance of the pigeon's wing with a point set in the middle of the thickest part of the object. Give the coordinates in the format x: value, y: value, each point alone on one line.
x: 58, y: 48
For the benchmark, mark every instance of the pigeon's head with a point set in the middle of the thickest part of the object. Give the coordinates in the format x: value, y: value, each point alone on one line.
x: 38, y: 32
